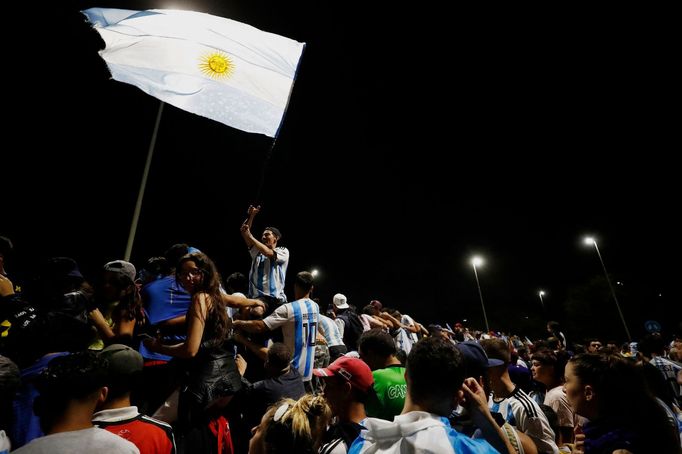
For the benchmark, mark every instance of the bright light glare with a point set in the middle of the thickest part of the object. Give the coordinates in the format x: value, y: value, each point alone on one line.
x: 589, y: 240
x: 476, y: 260
x: 314, y: 273
x: 541, y: 293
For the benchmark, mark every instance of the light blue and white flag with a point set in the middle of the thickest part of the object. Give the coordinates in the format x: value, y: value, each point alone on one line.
x: 211, y: 66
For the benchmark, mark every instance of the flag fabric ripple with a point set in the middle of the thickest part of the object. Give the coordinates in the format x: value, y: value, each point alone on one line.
x: 211, y: 66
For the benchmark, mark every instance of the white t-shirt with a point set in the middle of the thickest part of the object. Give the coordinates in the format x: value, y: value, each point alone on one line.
x: 89, y: 440
x: 556, y: 398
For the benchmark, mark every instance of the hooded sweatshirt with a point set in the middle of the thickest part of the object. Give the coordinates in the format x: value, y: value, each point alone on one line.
x: 416, y: 431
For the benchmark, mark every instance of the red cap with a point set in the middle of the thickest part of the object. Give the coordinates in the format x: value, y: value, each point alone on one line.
x: 354, y: 370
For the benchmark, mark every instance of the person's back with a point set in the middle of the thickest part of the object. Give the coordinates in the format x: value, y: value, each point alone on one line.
x: 70, y: 388
x: 435, y: 373
x: 164, y: 299
x: 352, y: 325
x: 284, y: 381
x: 378, y: 350
x: 416, y: 431
x: 84, y: 441
x: 118, y: 416
x: 297, y: 320
x: 390, y: 388
x: 332, y: 336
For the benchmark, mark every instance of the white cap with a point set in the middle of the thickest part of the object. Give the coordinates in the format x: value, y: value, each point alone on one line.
x: 340, y: 301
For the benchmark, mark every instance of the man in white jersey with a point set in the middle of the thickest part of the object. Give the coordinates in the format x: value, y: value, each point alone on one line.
x: 268, y: 263
x: 298, y: 321
x: 332, y: 336
x: 515, y: 406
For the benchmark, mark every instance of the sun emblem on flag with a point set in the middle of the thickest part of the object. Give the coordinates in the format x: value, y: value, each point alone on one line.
x: 216, y: 65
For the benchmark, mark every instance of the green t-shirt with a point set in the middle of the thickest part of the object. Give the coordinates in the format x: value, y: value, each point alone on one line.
x: 390, y: 389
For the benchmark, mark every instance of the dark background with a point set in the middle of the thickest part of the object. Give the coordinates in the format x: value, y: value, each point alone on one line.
x: 415, y: 137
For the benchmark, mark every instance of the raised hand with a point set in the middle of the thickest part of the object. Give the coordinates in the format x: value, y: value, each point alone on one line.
x: 474, y: 396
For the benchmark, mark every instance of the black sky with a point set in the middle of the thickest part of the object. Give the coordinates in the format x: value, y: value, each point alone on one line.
x: 414, y: 138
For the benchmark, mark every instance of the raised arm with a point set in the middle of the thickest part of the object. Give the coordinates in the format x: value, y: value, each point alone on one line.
x: 476, y: 402
x: 246, y: 226
x: 261, y: 351
x: 250, y: 326
x: 240, y: 301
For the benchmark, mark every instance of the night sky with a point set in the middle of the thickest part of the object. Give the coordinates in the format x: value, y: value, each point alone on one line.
x: 413, y: 139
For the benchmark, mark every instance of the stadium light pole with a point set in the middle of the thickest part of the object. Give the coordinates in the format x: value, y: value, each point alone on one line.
x: 478, y: 261
x: 591, y: 241
x: 542, y: 293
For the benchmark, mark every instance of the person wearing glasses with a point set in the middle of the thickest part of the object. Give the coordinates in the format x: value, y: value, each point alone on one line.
x: 212, y: 377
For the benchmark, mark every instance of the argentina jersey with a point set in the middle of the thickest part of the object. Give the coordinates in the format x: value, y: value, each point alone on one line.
x: 266, y: 277
x: 298, y: 321
x: 329, y: 330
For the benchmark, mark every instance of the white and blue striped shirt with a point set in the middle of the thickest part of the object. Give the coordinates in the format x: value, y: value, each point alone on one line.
x: 522, y: 412
x: 330, y: 331
x: 266, y: 277
x: 298, y: 320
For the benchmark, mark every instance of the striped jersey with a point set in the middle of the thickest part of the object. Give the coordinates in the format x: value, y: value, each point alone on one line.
x: 522, y: 412
x: 266, y: 277
x: 330, y: 331
x: 298, y: 321
x: 670, y: 370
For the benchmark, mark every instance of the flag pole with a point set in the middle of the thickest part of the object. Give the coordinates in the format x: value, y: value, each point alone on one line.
x: 268, y: 155
x: 143, y: 185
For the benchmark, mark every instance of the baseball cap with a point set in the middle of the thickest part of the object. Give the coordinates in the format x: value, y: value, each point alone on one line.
x: 475, y: 357
x: 353, y: 370
x: 122, y: 267
x: 60, y: 267
x: 123, y: 361
x: 340, y: 301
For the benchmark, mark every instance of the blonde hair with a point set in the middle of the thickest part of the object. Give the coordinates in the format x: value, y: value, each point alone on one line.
x: 299, y: 425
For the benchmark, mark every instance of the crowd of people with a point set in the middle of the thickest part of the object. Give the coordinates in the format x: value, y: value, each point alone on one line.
x: 174, y: 359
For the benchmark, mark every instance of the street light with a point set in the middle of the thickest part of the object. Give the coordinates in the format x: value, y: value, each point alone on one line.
x: 478, y: 261
x: 315, y: 272
x: 541, y: 293
x: 590, y: 240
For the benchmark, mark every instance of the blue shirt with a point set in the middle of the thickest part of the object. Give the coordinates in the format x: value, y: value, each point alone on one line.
x: 164, y: 299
